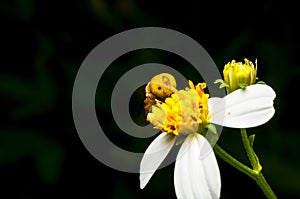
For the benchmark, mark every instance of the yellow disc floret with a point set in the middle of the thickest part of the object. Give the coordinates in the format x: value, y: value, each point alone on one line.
x: 183, y: 112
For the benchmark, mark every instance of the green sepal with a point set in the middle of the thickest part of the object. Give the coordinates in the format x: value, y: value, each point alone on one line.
x: 251, y: 139
x: 222, y: 83
x: 260, y: 82
x: 218, y: 81
x: 211, y: 134
x: 243, y: 85
x: 211, y: 128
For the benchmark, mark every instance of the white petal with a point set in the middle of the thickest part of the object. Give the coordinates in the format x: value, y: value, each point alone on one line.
x: 196, y: 176
x: 243, y: 108
x: 154, y: 155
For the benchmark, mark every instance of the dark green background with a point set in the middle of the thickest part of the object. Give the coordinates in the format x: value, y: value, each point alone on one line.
x: 43, y: 44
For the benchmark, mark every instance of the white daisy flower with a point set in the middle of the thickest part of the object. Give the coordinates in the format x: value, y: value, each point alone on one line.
x: 188, y: 113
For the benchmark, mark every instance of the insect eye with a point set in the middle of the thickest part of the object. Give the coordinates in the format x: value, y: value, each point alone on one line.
x: 159, y: 88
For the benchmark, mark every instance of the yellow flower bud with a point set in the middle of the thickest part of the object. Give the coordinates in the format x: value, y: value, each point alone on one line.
x: 238, y: 75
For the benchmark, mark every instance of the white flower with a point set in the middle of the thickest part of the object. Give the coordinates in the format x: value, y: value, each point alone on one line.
x: 196, y: 173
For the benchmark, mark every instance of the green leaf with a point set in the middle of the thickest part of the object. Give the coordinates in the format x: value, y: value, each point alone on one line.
x: 46, y: 153
x: 48, y: 161
x: 33, y: 98
x: 251, y: 139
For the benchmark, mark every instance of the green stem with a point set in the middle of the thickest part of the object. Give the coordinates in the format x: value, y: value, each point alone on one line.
x: 250, y: 152
x: 233, y: 162
x: 264, y: 186
x: 257, y: 176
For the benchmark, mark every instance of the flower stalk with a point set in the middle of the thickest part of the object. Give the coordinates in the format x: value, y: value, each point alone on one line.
x: 254, y: 173
x: 250, y: 152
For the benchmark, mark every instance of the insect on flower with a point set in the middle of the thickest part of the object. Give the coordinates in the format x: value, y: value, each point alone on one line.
x: 158, y: 89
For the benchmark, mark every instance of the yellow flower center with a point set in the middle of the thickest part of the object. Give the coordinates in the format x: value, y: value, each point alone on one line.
x: 182, y: 113
x: 238, y: 73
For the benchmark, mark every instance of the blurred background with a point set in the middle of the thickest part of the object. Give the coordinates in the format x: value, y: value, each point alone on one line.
x: 43, y: 45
